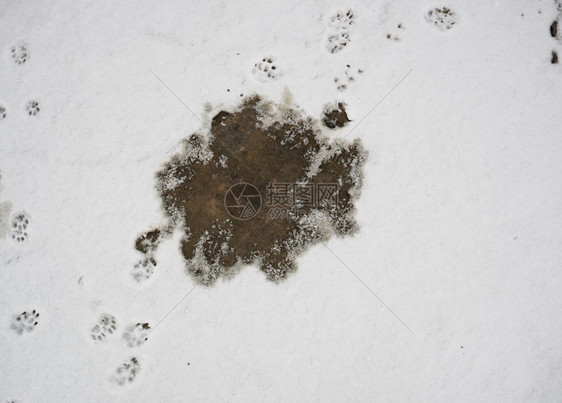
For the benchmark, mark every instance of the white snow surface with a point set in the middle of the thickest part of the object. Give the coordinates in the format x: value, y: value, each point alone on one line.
x: 460, y: 212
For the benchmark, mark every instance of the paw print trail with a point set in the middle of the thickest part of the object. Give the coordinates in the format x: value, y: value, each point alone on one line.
x: 339, y: 34
x: 19, y: 227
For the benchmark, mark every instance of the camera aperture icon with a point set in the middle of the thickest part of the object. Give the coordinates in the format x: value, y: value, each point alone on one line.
x: 243, y: 201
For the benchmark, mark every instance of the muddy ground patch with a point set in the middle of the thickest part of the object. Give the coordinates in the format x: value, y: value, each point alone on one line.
x: 260, y: 187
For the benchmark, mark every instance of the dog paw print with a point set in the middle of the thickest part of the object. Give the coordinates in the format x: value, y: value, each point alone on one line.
x: 347, y: 78
x: 136, y: 335
x: 19, y: 227
x: 337, y: 41
x: 395, y: 37
x: 339, y: 35
x: 443, y: 18
x: 126, y: 372
x: 342, y: 20
x: 19, y: 53
x: 266, y: 69
x: 25, y: 321
x: 556, y: 34
x: 144, y: 269
x: 32, y: 108
x: 106, y: 325
x: 2, y: 112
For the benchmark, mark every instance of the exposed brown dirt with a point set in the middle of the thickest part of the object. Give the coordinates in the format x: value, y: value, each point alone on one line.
x: 336, y: 117
x: 194, y: 186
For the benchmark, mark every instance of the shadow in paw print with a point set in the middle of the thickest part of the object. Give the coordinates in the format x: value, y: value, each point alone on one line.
x: 25, y: 321
x: 2, y: 112
x: 106, y: 325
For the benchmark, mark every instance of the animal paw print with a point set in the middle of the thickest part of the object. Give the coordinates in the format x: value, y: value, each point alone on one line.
x: 25, y: 321
x: 443, y: 18
x: 106, y: 325
x: 19, y: 227
x: 32, y: 108
x: 266, y: 69
x: 126, y: 372
x: 337, y: 41
x: 348, y: 77
x: 19, y: 53
x: 2, y: 112
x: 137, y: 334
x: 144, y: 269
x: 392, y: 37
x: 340, y: 25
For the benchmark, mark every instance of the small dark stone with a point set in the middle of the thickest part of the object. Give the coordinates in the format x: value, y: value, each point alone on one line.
x: 554, y: 59
x: 554, y: 29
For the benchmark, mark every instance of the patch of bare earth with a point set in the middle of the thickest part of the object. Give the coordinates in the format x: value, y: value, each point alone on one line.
x: 267, y: 146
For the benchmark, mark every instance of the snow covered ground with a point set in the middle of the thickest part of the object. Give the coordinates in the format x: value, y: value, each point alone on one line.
x: 460, y: 214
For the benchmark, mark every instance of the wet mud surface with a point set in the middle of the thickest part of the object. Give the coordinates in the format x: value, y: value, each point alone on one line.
x: 261, y: 187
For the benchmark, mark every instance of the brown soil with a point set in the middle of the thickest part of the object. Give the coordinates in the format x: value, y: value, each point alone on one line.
x: 554, y: 59
x: 240, y: 149
x: 336, y: 117
x: 554, y: 29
